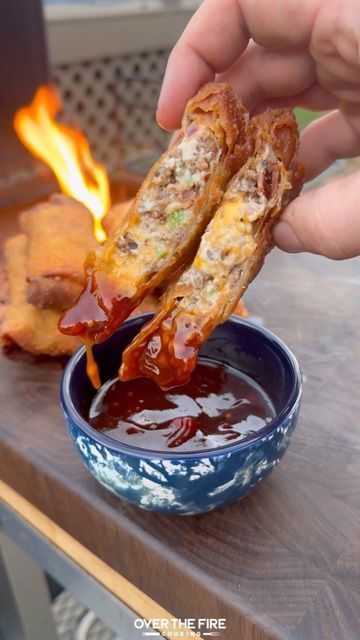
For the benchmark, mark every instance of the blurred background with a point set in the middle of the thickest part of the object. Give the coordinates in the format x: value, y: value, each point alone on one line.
x: 107, y: 59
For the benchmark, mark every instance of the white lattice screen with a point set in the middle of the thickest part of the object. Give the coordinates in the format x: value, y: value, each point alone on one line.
x: 114, y: 100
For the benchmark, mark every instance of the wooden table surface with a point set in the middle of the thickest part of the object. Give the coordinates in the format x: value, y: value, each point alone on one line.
x: 282, y: 563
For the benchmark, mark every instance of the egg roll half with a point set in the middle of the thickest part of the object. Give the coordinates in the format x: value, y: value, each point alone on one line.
x: 161, y: 230
x: 230, y: 254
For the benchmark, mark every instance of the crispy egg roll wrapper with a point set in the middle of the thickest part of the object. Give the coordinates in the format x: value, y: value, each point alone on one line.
x: 162, y: 229
x: 116, y: 216
x: 31, y: 329
x: 60, y: 234
x: 111, y: 223
x: 230, y: 254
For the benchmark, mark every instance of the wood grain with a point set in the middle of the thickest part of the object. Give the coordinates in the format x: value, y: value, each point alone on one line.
x: 283, y: 562
x: 87, y: 561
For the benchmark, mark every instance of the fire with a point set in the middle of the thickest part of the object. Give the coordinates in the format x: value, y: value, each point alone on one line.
x: 67, y: 153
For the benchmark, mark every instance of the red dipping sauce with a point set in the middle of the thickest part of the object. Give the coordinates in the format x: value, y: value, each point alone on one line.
x: 217, y: 407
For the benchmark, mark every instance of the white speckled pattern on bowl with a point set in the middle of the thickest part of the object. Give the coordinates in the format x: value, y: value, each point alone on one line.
x: 188, y: 483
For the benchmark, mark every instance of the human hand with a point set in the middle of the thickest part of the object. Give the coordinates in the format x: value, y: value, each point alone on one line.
x: 285, y: 53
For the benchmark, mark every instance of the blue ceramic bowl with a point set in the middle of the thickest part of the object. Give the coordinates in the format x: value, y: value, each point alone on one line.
x: 188, y: 483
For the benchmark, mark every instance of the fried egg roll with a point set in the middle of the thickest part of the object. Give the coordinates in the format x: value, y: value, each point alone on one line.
x: 31, y: 329
x: 162, y: 228
x: 231, y: 252
x: 60, y: 233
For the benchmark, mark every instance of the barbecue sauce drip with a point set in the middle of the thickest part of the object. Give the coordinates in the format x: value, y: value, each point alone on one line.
x: 167, y: 353
x: 98, y: 312
x: 218, y: 407
x: 92, y: 369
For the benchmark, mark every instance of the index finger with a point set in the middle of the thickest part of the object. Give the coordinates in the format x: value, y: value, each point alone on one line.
x: 218, y: 34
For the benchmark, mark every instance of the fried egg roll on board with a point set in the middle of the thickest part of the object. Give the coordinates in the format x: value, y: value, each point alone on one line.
x: 231, y: 252
x: 32, y: 329
x: 60, y: 233
x: 162, y: 228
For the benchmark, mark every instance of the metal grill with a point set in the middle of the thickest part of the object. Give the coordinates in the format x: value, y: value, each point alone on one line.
x: 113, y: 100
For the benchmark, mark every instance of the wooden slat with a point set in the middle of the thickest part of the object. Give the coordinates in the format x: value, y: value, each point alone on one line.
x: 130, y: 595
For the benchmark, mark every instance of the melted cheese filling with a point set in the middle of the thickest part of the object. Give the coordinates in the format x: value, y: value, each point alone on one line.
x: 230, y: 239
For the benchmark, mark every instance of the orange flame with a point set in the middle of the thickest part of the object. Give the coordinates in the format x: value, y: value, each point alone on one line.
x: 67, y: 152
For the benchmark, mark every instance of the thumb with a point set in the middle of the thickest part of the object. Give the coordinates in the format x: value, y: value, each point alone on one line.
x: 324, y: 220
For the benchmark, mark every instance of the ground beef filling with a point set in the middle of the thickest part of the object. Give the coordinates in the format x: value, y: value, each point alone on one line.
x: 166, y: 209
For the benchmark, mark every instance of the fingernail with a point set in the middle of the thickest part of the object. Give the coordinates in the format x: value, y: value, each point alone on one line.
x: 159, y: 120
x: 286, y: 239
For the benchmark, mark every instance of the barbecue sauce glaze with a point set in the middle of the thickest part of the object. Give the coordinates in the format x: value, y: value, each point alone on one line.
x: 217, y: 407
